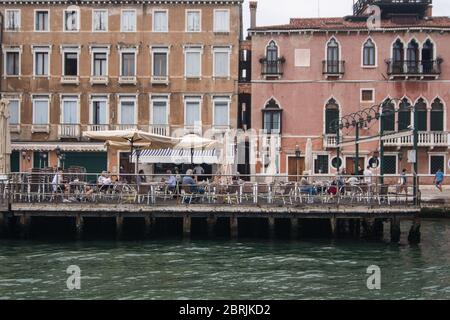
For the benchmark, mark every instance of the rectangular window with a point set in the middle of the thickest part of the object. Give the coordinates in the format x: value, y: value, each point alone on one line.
x: 128, y: 64
x: 160, y: 64
x: 221, y: 113
x: 437, y: 162
x: 41, y: 20
x: 192, y: 113
x: 160, y: 21
x: 12, y: 63
x: 41, y: 64
x: 221, y: 21
x: 159, y: 113
x: 12, y: 20
x: 128, y: 21
x: 390, y: 164
x: 367, y: 95
x: 100, y: 20
x: 71, y: 20
x: 69, y: 111
x: 40, y: 110
x: 70, y: 63
x: 193, y: 21
x: 14, y: 111
x: 221, y: 64
x: 127, y: 111
x: 193, y: 64
x: 99, y: 111
x: 100, y: 64
x: 321, y: 164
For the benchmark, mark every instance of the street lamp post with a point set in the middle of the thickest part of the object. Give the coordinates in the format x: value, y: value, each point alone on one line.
x: 297, y: 157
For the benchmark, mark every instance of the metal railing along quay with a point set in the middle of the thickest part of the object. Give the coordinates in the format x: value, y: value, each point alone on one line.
x: 171, y: 190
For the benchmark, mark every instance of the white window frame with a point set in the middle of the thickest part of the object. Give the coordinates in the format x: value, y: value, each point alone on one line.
x: 128, y: 50
x: 106, y: 23
x: 102, y: 98
x: 214, y: 22
x: 69, y: 97
x: 222, y: 99
x: 14, y: 49
x: 41, y: 49
x: 167, y: 20
x: 361, y: 95
x: 193, y: 49
x: 160, y: 98
x: 330, y: 167
x: 193, y: 98
x: 36, y: 98
x: 127, y: 98
x: 121, y: 20
x: 48, y: 22
x: 19, y: 107
x: 440, y: 154
x: 70, y: 49
x: 376, y: 54
x: 160, y: 49
x: 78, y: 27
x: 224, y: 49
x: 7, y: 20
x: 199, y: 11
x: 396, y: 161
x: 99, y: 49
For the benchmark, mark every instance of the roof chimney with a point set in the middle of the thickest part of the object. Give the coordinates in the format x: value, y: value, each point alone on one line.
x: 253, y: 7
x: 429, y: 11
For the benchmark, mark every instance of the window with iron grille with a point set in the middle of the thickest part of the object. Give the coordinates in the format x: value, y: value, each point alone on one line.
x: 321, y: 164
x: 437, y: 116
x: 388, y: 118
x: 331, y: 116
x: 437, y: 163
x: 390, y: 164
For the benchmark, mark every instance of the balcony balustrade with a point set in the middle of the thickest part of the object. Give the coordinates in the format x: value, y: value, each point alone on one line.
x: 421, y: 68
x: 99, y: 80
x: 333, y: 68
x: 70, y: 80
x: 160, y: 129
x: 425, y: 139
x: 272, y: 68
x: 69, y: 131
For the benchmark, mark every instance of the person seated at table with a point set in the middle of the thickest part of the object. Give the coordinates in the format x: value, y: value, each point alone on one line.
x: 353, y: 181
x: 141, y: 178
x: 189, y: 182
x: 58, y: 183
x: 306, y: 187
x: 104, y: 181
x: 171, y: 181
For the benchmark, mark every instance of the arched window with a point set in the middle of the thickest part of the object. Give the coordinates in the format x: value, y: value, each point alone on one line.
x: 398, y: 57
x: 422, y: 117
x: 369, y: 53
x: 437, y: 115
x: 404, y: 114
x: 427, y: 56
x: 272, y: 117
x: 412, y: 56
x: 332, y: 56
x: 272, y: 58
x: 331, y: 116
x: 388, y: 116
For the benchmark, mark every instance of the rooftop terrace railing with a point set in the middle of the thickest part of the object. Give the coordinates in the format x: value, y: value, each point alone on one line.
x: 360, y: 5
x: 171, y: 190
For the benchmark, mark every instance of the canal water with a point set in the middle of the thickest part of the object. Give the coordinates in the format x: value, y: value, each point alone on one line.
x: 243, y: 269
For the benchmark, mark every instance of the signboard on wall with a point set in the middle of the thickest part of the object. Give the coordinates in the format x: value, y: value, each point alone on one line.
x: 411, y: 156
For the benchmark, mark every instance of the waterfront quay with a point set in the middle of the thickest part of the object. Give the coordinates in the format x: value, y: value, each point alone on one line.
x: 232, y: 209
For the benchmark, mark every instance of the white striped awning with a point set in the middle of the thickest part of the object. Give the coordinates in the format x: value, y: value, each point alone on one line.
x: 177, y: 156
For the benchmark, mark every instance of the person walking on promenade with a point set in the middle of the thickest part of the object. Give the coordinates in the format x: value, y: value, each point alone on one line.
x: 439, y: 179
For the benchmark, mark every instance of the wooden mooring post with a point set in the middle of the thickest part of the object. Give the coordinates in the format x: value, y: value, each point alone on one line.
x: 79, y: 225
x: 233, y: 227
x: 24, y: 225
x: 211, y: 222
x: 149, y: 224
x: 414, y: 232
x: 119, y: 227
x: 271, y: 222
x: 395, y: 230
x: 187, y: 221
x: 4, y: 223
x: 334, y: 229
x: 294, y: 228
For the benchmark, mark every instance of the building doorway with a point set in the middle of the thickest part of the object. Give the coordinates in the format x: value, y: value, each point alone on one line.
x: 350, y: 164
x: 296, y: 166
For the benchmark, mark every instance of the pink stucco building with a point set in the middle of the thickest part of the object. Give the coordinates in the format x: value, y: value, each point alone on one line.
x: 309, y: 72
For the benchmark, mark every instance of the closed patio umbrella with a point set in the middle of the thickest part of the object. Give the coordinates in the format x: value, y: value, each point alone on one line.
x: 5, y: 139
x: 308, y: 157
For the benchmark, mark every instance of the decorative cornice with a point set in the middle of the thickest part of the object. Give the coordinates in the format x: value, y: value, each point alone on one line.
x: 118, y: 2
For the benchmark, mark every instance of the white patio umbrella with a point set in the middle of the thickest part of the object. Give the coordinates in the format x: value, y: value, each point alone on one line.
x: 308, y: 157
x: 130, y: 139
x: 226, y: 164
x: 5, y: 138
x: 194, y: 142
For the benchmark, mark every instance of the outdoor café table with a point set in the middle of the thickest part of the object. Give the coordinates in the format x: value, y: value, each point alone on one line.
x: 152, y: 187
x: 77, y: 187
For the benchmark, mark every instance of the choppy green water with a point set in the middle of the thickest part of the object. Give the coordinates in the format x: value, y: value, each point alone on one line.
x: 168, y: 269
